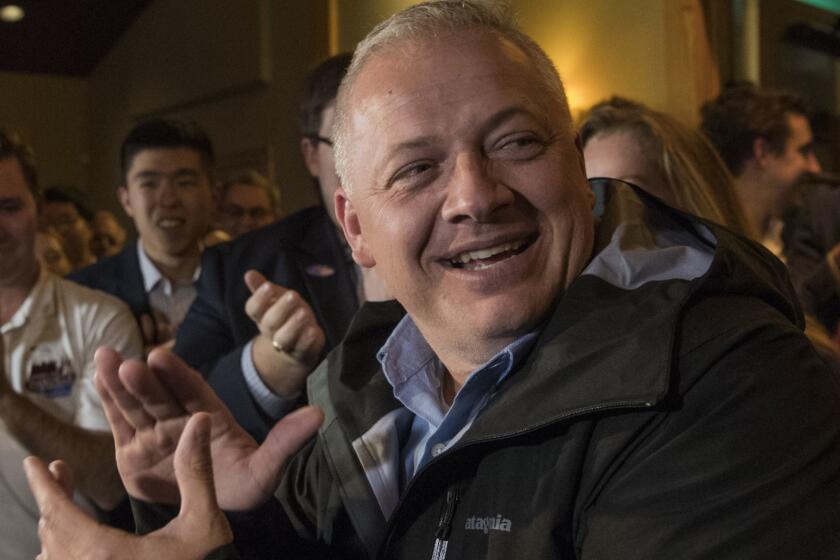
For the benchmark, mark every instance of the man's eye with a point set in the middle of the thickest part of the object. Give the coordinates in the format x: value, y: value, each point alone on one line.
x: 518, y: 147
x: 148, y: 184
x: 412, y: 173
x: 10, y: 207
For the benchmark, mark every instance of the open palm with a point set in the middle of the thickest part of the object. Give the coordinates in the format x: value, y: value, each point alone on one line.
x: 148, y: 406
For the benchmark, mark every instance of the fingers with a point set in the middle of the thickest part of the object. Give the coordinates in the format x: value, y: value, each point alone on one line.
x: 186, y: 386
x: 147, y: 330
x: 264, y: 298
x: 284, y: 440
x: 254, y: 279
x: 107, y: 365
x: 144, y: 384
x: 63, y: 475
x: 194, y: 467
x: 163, y: 328
x: 200, y: 526
x: 53, y: 502
x: 302, y: 339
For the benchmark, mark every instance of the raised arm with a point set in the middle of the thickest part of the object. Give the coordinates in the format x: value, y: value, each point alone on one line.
x: 89, y: 453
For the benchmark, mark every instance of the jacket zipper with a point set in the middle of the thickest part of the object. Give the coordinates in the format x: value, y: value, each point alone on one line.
x: 445, y: 524
x: 386, y: 542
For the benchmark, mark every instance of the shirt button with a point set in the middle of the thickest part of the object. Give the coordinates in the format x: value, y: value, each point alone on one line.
x: 437, y: 449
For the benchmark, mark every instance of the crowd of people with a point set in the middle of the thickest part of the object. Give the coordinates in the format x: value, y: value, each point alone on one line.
x: 502, y: 334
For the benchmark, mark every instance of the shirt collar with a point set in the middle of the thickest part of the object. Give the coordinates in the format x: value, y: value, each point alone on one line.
x: 414, y: 371
x: 151, y: 275
x: 40, y: 295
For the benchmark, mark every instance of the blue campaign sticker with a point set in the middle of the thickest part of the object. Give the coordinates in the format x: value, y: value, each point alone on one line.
x: 51, y: 378
x: 320, y: 270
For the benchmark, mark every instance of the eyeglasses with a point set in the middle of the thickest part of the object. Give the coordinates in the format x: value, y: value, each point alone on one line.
x: 320, y: 139
x: 238, y: 212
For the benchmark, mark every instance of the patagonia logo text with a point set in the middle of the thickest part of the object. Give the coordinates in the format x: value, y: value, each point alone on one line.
x: 487, y: 524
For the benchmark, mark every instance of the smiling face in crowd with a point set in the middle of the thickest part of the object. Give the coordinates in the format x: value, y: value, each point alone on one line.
x: 167, y: 194
x: 468, y: 190
x: 18, y: 223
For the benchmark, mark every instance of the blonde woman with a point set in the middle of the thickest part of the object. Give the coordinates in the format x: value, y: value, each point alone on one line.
x: 626, y: 140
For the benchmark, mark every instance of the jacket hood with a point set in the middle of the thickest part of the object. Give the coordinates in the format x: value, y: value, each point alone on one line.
x: 619, y: 318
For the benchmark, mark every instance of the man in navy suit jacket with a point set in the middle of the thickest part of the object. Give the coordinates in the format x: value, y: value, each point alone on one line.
x: 257, y: 338
x: 167, y: 172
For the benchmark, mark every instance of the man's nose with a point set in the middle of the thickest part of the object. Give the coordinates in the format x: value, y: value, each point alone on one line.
x: 473, y: 192
x: 814, y: 164
x: 168, y: 194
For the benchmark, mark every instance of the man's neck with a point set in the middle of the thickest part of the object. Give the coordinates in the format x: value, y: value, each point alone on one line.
x: 757, y: 201
x: 178, y: 269
x: 15, y: 291
x: 80, y: 257
x: 461, y: 359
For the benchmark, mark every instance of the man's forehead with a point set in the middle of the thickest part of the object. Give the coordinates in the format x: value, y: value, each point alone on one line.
x: 165, y: 159
x: 413, y: 70
x: 12, y: 181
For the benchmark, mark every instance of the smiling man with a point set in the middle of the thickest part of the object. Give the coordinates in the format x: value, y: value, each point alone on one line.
x: 167, y: 169
x: 550, y: 385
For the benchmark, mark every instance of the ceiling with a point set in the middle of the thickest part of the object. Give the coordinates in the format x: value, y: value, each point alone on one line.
x: 64, y: 37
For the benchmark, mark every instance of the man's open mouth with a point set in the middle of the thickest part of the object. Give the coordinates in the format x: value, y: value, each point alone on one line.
x: 485, y: 258
x: 170, y: 223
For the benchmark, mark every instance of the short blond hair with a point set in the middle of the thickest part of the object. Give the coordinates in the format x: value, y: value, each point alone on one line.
x: 430, y: 20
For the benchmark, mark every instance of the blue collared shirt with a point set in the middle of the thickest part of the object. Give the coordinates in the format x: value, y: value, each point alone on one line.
x: 416, y: 374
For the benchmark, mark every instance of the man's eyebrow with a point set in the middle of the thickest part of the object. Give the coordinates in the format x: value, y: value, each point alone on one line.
x: 155, y: 174
x: 6, y: 200
x: 185, y: 171
x: 504, y: 115
x: 497, y: 119
x: 146, y: 175
x: 412, y: 144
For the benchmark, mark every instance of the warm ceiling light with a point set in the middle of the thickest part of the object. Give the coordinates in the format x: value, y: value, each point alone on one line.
x: 11, y: 13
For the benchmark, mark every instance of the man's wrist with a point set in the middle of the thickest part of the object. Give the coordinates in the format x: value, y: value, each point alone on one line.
x: 282, y: 374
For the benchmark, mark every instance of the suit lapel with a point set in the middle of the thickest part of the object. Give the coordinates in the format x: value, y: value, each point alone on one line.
x: 328, y: 278
x: 130, y: 281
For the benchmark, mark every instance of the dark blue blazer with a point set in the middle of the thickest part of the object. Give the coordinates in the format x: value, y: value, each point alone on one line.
x: 301, y: 252
x: 120, y: 276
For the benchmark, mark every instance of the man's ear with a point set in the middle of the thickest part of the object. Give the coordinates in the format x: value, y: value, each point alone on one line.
x: 347, y: 217
x: 761, y: 150
x: 309, y: 151
x: 579, y: 148
x: 125, y: 201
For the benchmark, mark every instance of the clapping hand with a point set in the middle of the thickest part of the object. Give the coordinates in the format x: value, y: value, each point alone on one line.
x: 68, y: 533
x: 148, y: 406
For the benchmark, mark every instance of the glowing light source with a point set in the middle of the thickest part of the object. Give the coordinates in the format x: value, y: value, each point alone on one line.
x: 11, y: 13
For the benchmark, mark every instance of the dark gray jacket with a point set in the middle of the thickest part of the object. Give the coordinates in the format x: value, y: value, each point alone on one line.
x: 682, y: 416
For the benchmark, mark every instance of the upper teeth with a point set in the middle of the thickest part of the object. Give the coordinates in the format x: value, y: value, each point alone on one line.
x: 170, y: 222
x: 487, y: 253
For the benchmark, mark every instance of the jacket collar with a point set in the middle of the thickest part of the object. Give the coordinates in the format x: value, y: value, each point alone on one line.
x: 610, y: 340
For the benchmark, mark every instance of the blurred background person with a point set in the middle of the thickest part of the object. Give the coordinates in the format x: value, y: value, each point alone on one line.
x: 765, y: 139
x: 246, y: 202
x: 626, y: 140
x: 108, y: 235
x: 49, y: 331
x: 63, y: 211
x: 51, y: 253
